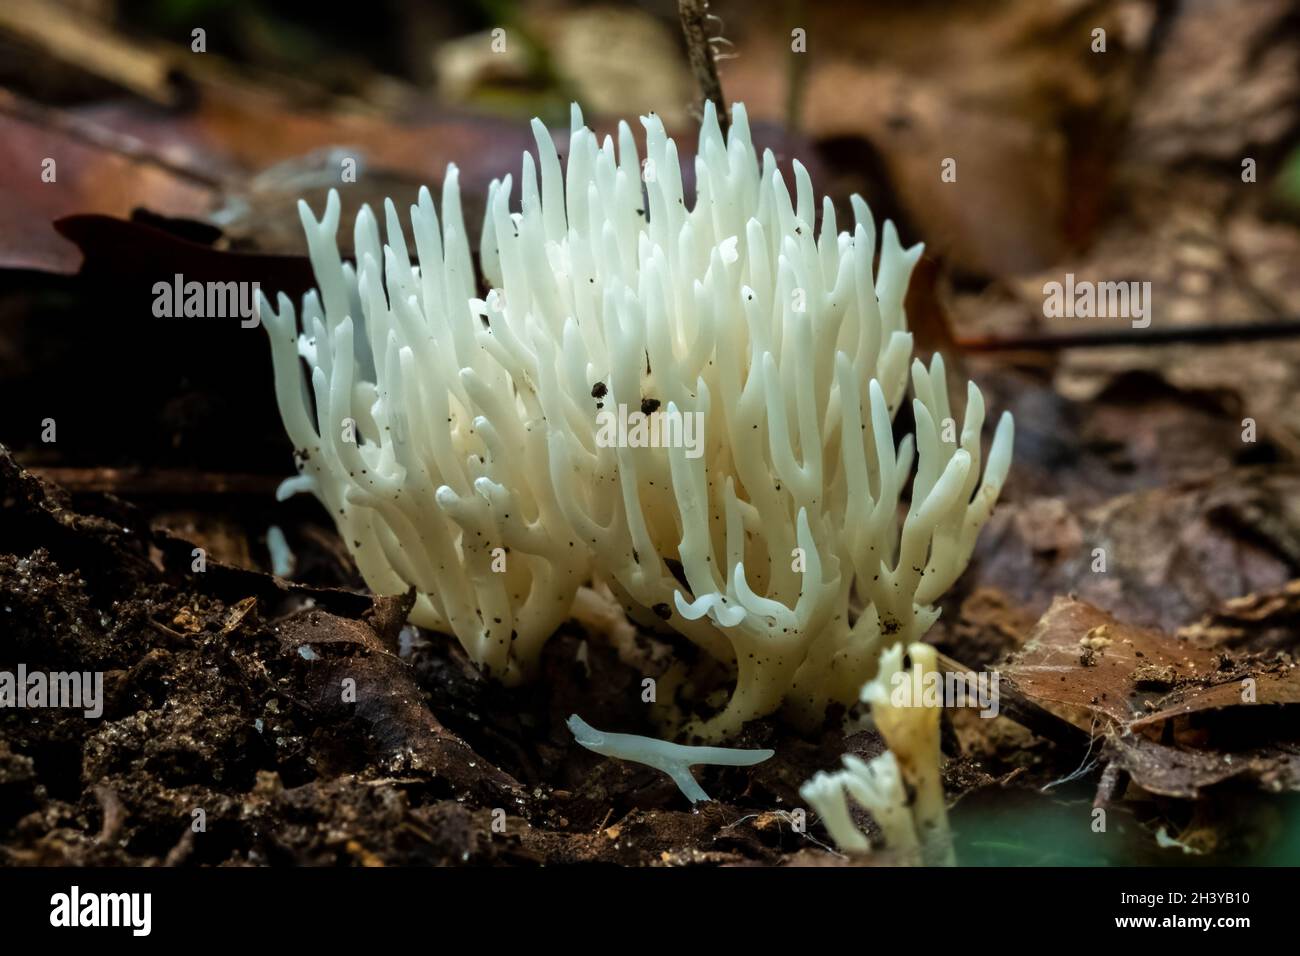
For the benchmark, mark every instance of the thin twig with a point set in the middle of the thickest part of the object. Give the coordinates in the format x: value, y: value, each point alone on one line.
x: 703, y: 55
x: 1188, y: 335
x: 165, y: 482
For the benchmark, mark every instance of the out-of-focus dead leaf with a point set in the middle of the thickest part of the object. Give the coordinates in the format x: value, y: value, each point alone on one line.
x: 243, y: 156
x: 1026, y: 113
x: 620, y: 61
x: 83, y: 43
x: 1154, y: 558
x: 1182, y: 773
x: 1224, y: 79
x: 87, y: 178
x: 466, y: 65
x: 1218, y: 84
x: 117, y: 250
x: 1257, y: 622
x: 1003, y: 213
x: 985, y: 628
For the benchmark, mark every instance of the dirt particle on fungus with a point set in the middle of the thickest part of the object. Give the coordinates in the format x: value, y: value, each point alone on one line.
x: 649, y: 406
x: 663, y: 611
x: 599, y: 390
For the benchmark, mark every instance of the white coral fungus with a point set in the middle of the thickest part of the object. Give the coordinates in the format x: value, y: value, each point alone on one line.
x: 675, y: 760
x: 455, y: 440
x: 876, y: 786
x: 902, y: 788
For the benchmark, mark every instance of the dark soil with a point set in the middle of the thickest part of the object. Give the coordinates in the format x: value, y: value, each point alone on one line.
x: 223, y: 695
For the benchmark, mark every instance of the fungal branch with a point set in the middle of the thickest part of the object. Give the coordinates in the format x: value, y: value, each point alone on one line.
x: 415, y: 446
x: 911, y: 729
x: 876, y: 786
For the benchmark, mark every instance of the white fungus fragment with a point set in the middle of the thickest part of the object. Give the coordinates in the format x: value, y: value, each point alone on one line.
x: 282, y: 559
x: 673, y: 759
x: 901, y: 788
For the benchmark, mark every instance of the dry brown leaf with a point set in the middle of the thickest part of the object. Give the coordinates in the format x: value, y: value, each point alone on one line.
x: 88, y: 178
x: 1168, y: 553
x: 1082, y: 659
x: 1127, y: 683
x: 1182, y: 773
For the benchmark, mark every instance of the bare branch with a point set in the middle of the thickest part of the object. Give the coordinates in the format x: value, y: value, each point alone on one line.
x: 703, y: 56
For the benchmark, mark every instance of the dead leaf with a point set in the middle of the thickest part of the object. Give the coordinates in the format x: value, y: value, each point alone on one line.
x: 1263, y: 621
x: 1055, y: 668
x: 1128, y: 683
x: 89, y: 178
x: 1182, y: 773
x: 328, y: 649
x: 1010, y: 93
x: 1221, y: 83
x: 84, y: 43
x: 1155, y: 558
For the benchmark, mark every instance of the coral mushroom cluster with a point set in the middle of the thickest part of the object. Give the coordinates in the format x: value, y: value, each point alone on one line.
x: 463, y: 442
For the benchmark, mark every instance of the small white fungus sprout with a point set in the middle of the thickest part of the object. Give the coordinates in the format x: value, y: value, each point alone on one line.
x: 902, y: 788
x: 459, y: 443
x: 877, y: 787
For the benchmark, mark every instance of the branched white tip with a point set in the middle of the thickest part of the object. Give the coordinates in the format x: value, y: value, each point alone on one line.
x: 673, y: 759
x: 911, y: 730
x: 877, y: 787
x: 903, y: 787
